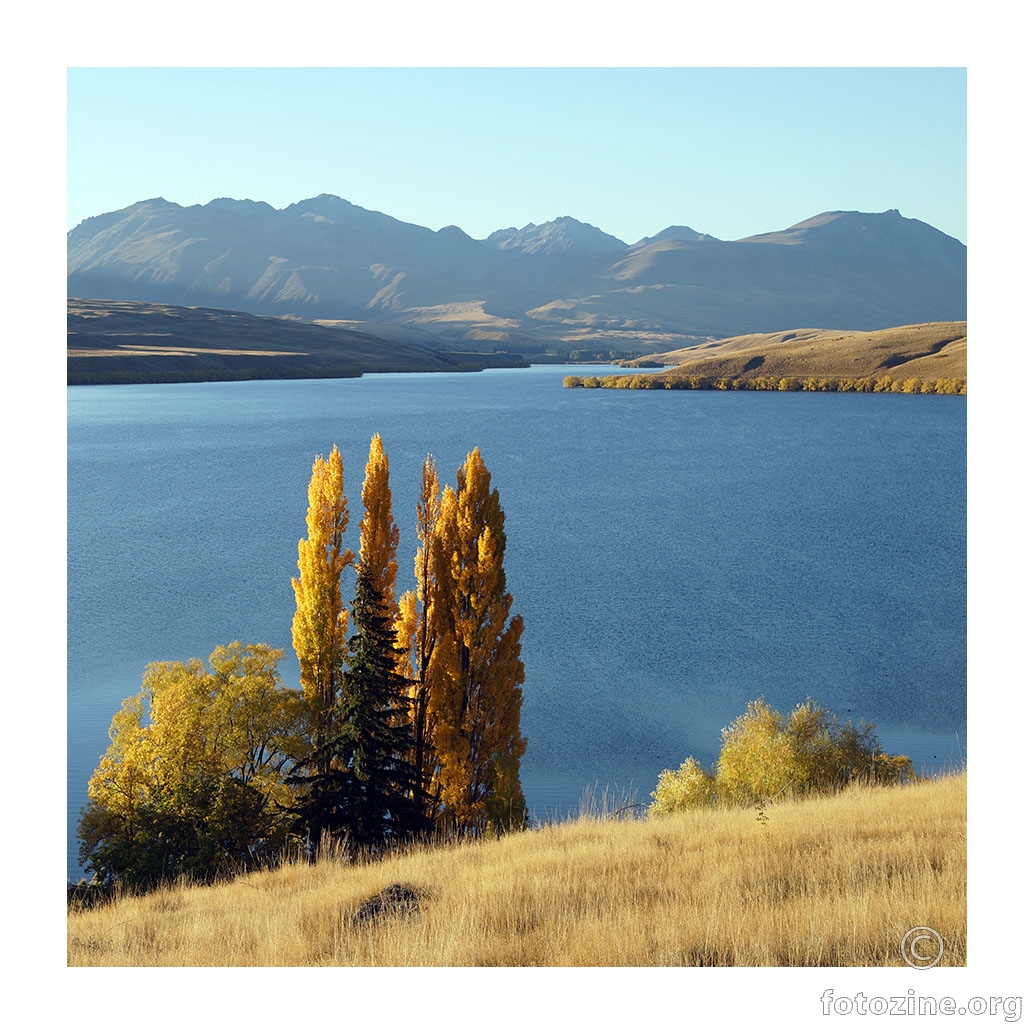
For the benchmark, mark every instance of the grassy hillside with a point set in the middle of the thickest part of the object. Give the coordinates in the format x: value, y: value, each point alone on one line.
x: 929, y: 351
x: 120, y: 342
x: 829, y: 881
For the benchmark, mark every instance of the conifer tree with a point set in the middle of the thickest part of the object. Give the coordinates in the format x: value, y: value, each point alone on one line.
x: 476, y: 672
x: 375, y: 716
x: 376, y: 688
x: 320, y: 624
x: 360, y: 784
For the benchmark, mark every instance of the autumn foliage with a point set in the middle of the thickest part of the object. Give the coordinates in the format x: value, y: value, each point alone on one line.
x: 475, y: 671
x: 407, y: 720
x: 772, y: 383
x: 193, y: 781
x: 320, y: 625
x: 766, y: 755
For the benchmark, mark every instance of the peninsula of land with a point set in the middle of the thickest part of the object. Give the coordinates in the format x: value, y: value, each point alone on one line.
x: 125, y: 342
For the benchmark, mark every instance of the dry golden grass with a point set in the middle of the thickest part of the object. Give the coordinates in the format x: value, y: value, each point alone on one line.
x: 823, y: 882
x: 928, y: 351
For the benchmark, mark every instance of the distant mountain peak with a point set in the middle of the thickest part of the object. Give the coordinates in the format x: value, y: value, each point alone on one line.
x: 675, y: 233
x: 454, y: 231
x: 839, y: 223
x: 849, y: 216
x: 559, y: 235
x: 324, y: 204
x: 243, y: 205
x: 150, y: 203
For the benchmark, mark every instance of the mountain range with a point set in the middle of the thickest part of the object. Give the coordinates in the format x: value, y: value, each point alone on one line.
x: 561, y: 283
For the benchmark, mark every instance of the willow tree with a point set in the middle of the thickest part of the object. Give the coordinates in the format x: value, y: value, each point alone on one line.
x: 476, y: 672
x: 416, y: 632
x: 193, y: 781
x: 320, y: 624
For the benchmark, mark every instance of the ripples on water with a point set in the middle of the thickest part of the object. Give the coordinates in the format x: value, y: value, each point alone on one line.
x: 673, y: 554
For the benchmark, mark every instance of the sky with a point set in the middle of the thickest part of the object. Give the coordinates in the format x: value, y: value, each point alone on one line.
x: 728, y: 151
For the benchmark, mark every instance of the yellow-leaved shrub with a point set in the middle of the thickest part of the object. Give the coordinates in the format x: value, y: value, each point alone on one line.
x: 689, y: 787
x: 766, y: 754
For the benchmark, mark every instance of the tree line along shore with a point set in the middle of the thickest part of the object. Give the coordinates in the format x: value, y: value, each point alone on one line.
x: 772, y: 383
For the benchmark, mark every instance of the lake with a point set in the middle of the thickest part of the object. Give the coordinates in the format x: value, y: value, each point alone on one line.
x: 673, y: 554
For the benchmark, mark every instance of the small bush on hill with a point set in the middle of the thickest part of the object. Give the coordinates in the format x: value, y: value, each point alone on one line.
x: 689, y: 787
x: 765, y: 754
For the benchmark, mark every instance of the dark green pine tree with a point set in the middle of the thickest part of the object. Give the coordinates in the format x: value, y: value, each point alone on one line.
x: 324, y: 805
x: 375, y: 715
x: 367, y: 791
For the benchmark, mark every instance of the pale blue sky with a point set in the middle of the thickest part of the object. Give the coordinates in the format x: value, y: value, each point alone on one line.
x: 728, y: 151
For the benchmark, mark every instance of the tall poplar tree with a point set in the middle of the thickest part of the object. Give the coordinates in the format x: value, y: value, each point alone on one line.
x: 358, y: 783
x: 378, y: 532
x: 318, y: 631
x: 416, y: 632
x: 476, y: 672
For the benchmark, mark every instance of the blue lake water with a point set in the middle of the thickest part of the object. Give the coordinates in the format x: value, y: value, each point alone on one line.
x: 673, y: 554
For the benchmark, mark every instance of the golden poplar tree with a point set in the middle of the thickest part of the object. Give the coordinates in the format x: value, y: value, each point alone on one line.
x: 378, y: 532
x: 416, y: 631
x: 318, y: 630
x: 476, y: 672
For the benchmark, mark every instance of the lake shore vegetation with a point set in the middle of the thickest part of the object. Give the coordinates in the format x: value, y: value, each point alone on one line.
x: 697, y: 382
x: 400, y: 728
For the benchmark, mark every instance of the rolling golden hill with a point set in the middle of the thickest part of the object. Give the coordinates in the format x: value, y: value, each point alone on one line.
x: 928, y: 351
x: 825, y: 881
